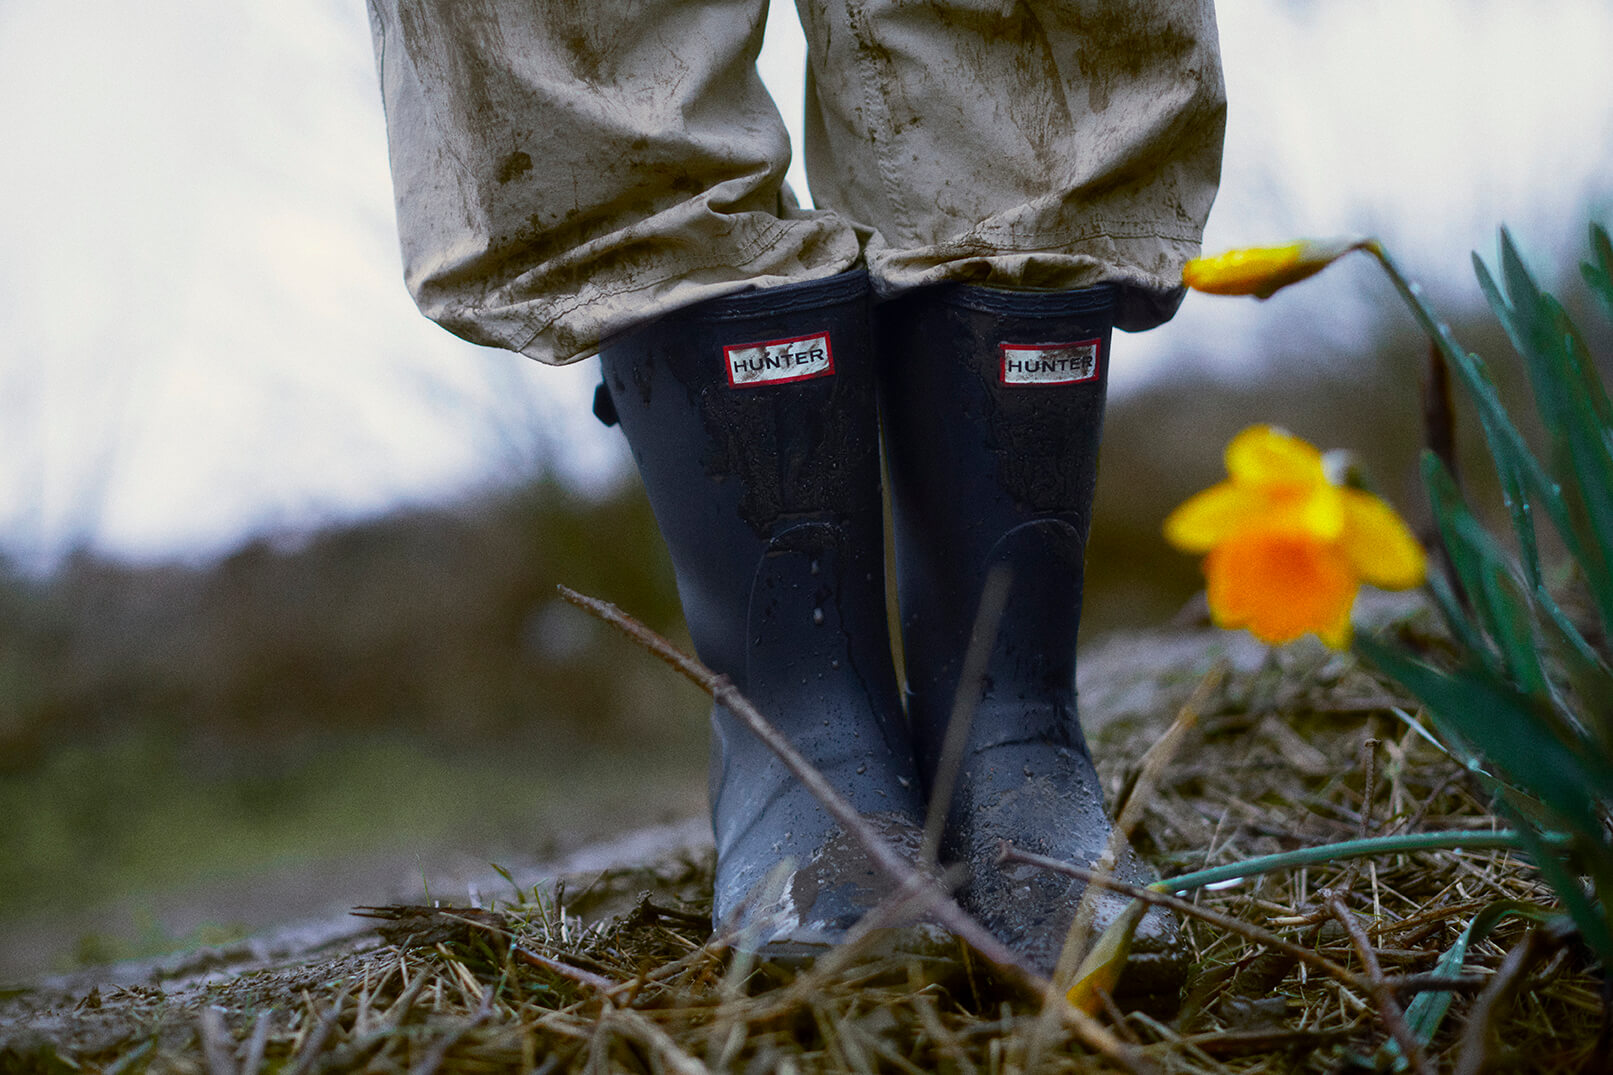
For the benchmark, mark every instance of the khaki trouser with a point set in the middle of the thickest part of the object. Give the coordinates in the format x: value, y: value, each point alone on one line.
x: 567, y: 168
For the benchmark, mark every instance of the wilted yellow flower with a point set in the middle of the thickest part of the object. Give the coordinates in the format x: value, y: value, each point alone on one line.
x: 1261, y: 271
x: 1285, y: 549
x: 1100, y: 971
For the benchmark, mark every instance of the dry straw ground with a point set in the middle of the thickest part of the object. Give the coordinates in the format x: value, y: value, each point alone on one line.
x: 614, y: 972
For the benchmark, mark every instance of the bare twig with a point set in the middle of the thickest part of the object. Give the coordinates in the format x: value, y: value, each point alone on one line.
x: 1369, y: 787
x: 1436, y: 983
x: 1363, y: 825
x: 432, y: 1060
x: 988, y: 617
x: 1475, y: 1057
x: 566, y: 970
x: 1233, y: 1043
x: 257, y: 1044
x: 1389, y: 1010
x: 316, y: 1041
x: 639, y: 1026
x: 217, y: 1048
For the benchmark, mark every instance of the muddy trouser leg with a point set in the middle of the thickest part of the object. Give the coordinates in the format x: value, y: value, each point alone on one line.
x: 565, y: 171
x: 1044, y: 144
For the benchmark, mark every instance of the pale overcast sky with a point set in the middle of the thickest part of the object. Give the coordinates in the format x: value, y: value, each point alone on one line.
x: 204, y: 332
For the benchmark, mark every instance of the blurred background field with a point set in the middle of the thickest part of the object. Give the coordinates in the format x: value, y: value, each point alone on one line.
x: 278, y: 630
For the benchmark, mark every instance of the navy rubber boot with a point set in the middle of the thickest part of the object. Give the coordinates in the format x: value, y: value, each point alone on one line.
x: 993, y: 406
x: 753, y: 420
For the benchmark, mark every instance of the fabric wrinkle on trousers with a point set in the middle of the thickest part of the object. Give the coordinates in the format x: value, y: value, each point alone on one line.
x: 564, y: 170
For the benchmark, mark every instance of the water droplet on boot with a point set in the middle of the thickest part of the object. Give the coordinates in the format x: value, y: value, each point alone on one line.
x: 814, y: 567
x: 835, y: 663
x: 861, y: 769
x: 904, y: 781
x: 817, y: 616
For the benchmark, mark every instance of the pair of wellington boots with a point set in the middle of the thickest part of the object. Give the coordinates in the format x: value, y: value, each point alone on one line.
x: 755, y: 423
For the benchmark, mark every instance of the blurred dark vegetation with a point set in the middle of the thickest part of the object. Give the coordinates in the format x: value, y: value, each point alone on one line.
x: 443, y: 621
x: 427, y: 654
x: 402, y: 696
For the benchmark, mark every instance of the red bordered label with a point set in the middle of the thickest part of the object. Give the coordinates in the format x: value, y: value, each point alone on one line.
x: 779, y: 361
x: 1050, y: 363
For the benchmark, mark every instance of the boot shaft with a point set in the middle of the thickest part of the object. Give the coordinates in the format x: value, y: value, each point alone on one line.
x: 746, y: 416
x: 754, y: 424
x: 993, y: 407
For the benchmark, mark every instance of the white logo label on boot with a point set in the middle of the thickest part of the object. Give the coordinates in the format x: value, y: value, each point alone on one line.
x: 779, y: 361
x: 1050, y: 363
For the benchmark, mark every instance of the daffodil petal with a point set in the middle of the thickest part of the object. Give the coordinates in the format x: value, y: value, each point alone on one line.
x: 1270, y: 456
x: 1262, y: 271
x: 1247, y: 271
x: 1281, y: 586
x: 1210, y: 517
x: 1288, y: 473
x: 1380, y: 546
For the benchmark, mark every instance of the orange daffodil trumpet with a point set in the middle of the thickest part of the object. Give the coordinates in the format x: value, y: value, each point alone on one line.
x: 1262, y: 271
x: 1286, y: 550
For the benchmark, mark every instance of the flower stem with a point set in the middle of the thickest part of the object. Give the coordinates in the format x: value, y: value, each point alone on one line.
x: 1349, y: 849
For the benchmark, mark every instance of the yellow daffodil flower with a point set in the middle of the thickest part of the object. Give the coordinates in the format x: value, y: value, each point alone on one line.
x: 1262, y: 271
x: 1286, y: 550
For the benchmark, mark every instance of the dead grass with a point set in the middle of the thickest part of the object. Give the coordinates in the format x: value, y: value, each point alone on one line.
x: 618, y: 975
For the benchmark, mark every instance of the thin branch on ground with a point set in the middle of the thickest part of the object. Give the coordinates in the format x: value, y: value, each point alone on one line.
x: 1389, y: 1010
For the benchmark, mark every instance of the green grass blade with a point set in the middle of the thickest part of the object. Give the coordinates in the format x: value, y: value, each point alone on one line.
x: 1455, y: 616
x: 1579, y: 354
x: 1508, y: 729
x: 1519, y: 309
x: 1427, y: 1010
x: 1365, y: 847
x: 1590, y: 918
x: 1573, y: 409
x: 1588, y: 679
x: 1520, y: 472
x: 1598, y: 273
x: 1498, y: 608
x: 1451, y: 746
x: 1523, y: 480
